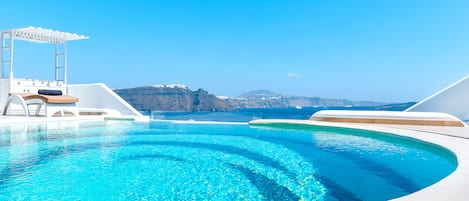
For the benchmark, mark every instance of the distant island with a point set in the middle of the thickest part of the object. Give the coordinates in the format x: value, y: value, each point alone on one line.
x: 179, y: 98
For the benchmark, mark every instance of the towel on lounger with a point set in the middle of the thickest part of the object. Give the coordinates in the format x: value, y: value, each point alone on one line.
x: 50, y: 92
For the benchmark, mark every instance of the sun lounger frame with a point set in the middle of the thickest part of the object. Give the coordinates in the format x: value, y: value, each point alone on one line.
x: 51, y: 104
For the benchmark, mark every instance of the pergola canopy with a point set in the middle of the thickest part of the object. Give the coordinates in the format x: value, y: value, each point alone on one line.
x: 41, y: 35
x: 37, y: 35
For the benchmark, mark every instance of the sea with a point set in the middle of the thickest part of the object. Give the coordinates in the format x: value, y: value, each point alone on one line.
x: 246, y: 115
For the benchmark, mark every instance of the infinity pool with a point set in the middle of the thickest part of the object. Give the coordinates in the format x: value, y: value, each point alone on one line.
x: 115, y: 160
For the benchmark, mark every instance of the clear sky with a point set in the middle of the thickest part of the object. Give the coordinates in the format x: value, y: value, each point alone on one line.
x: 386, y: 50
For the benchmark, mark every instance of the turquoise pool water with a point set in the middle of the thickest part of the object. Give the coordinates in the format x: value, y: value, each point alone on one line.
x: 115, y: 160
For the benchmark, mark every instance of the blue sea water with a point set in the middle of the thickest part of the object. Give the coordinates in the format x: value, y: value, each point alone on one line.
x: 246, y: 115
x: 118, y: 160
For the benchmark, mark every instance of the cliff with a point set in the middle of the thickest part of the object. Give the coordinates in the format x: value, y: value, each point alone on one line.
x: 172, y: 98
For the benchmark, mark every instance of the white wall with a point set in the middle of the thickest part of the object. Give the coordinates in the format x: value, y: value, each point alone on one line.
x: 100, y: 96
x: 4, y: 92
x: 20, y: 85
x: 453, y: 100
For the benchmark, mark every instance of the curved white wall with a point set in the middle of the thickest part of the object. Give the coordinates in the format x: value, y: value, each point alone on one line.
x: 453, y: 100
x: 100, y: 96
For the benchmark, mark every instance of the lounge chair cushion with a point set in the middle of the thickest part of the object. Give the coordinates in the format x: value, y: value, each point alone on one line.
x: 50, y: 92
x: 51, y: 99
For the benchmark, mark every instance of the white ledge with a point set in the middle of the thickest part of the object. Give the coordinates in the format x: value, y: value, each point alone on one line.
x: 388, y: 117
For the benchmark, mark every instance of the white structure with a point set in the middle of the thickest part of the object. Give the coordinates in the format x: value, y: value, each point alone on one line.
x: 388, y: 117
x: 448, y: 107
x: 180, y: 86
x: 93, y: 99
x: 37, y: 35
x: 453, y: 100
x: 103, y: 100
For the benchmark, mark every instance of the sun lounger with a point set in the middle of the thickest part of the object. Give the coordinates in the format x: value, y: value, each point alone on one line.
x: 51, y: 103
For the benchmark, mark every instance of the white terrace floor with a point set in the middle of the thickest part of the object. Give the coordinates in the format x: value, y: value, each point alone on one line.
x: 456, y: 139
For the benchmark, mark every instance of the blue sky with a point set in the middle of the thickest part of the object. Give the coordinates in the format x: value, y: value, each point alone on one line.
x: 387, y: 50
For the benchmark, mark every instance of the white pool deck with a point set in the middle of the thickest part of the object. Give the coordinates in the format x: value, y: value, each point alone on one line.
x: 456, y: 139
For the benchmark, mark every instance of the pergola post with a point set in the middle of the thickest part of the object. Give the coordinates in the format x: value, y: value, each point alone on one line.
x: 61, y: 61
x: 7, y: 54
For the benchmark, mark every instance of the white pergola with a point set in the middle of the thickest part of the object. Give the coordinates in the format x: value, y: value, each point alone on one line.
x: 37, y: 35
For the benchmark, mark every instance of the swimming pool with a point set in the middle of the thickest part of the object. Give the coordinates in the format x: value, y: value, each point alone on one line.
x: 116, y: 160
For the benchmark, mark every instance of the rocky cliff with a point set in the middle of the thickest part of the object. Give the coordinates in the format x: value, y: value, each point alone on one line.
x: 172, y: 98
